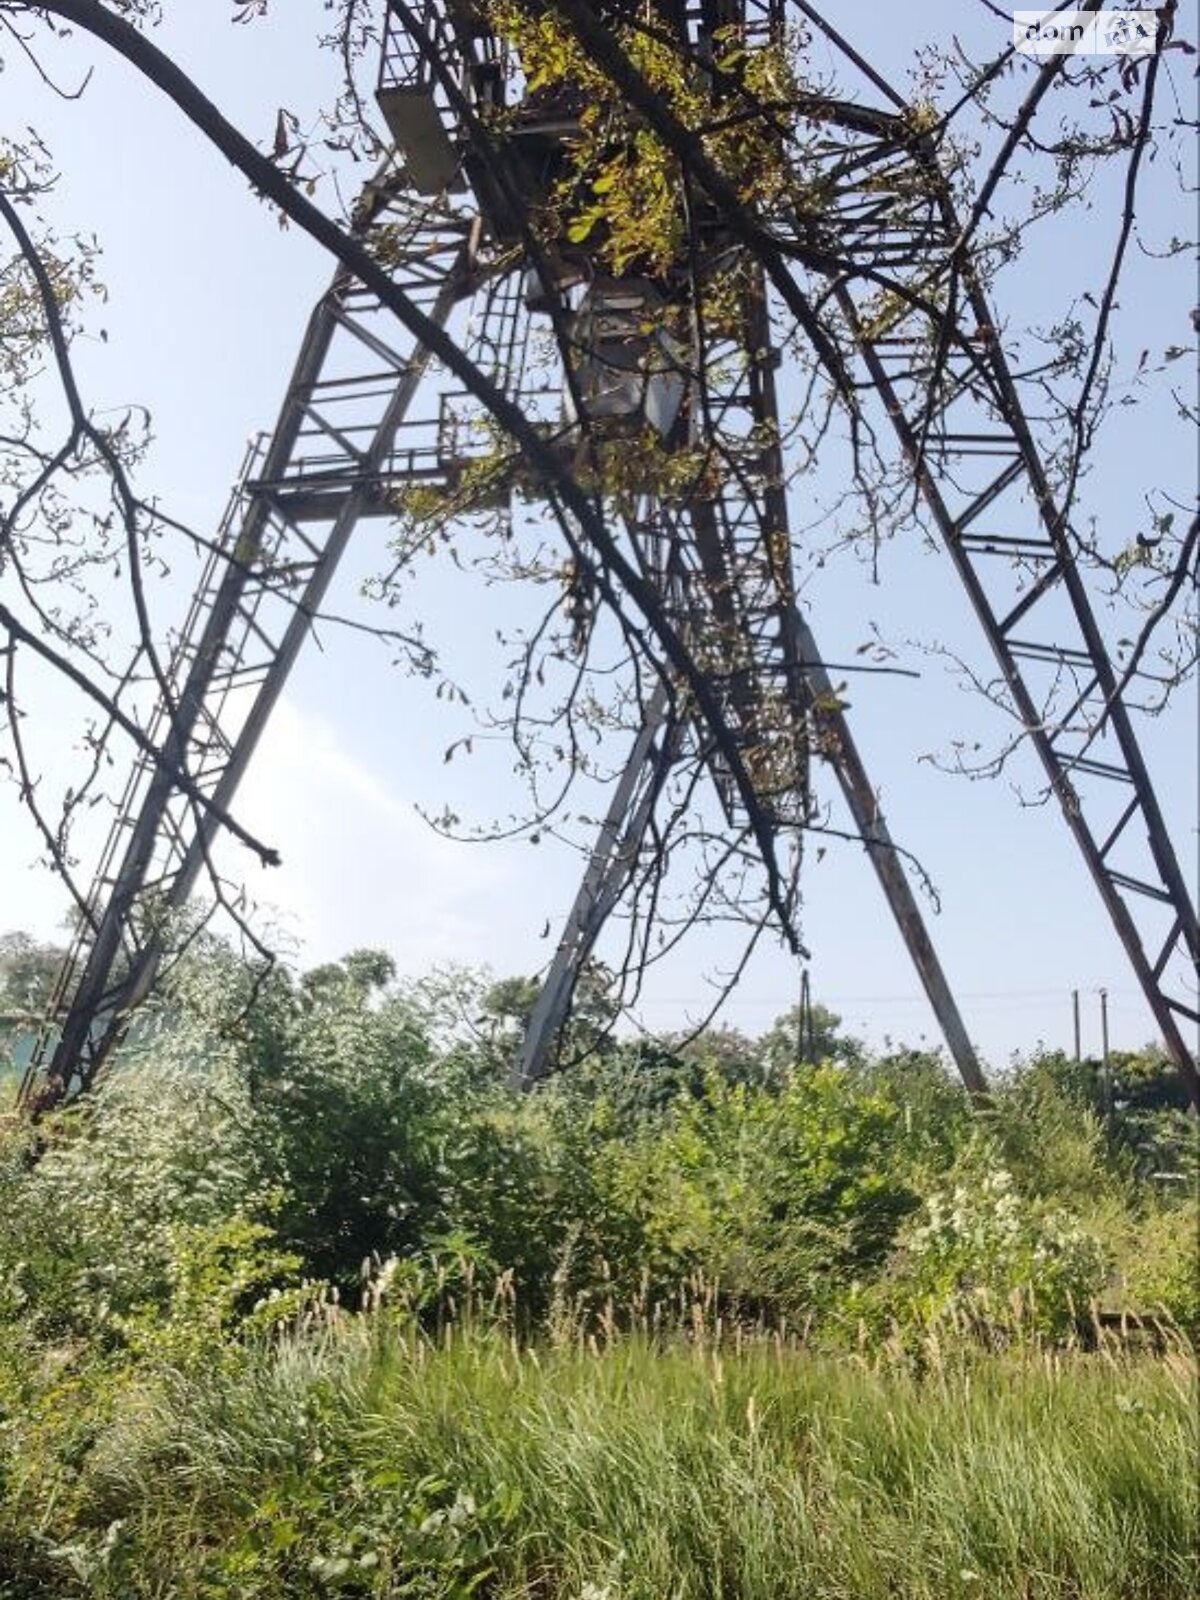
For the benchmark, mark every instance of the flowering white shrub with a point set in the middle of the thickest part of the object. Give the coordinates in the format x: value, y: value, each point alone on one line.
x: 984, y: 1252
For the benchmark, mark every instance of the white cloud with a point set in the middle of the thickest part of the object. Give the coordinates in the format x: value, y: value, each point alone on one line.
x: 360, y: 866
x: 28, y: 894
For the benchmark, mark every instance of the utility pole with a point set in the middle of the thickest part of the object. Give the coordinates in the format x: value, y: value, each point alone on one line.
x: 1075, y: 1012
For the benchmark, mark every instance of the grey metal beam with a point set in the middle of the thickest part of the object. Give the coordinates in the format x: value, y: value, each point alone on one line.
x: 610, y: 867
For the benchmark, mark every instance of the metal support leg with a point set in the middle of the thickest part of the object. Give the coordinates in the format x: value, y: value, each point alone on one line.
x: 615, y: 854
x: 608, y: 871
x: 842, y: 753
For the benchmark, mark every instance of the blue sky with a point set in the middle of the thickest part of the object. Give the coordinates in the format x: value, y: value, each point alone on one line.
x: 207, y: 301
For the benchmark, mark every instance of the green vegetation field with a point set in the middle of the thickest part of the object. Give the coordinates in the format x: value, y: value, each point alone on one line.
x: 305, y: 1301
x: 365, y: 1461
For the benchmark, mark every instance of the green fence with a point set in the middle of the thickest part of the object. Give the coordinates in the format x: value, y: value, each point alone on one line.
x: 18, y: 1035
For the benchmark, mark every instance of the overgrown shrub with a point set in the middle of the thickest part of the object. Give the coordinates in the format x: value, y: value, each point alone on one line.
x: 87, y: 1217
x: 993, y: 1260
x: 343, y: 1113
x: 1162, y: 1266
x: 350, y: 1128
x: 782, y: 1199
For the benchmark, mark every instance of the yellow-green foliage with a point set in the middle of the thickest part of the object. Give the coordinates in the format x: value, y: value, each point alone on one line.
x: 225, y: 1281
x: 623, y: 192
x: 781, y: 1199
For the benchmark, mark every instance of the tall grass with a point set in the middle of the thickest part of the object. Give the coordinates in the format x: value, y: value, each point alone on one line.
x: 368, y: 1459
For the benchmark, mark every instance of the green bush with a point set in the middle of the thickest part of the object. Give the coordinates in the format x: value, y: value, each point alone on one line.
x: 346, y: 1116
x: 780, y: 1199
x: 1051, y: 1137
x: 88, y: 1213
x: 226, y: 1280
x: 350, y: 1128
x: 1162, y: 1267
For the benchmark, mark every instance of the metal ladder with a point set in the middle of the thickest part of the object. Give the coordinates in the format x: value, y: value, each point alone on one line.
x: 302, y: 492
x: 979, y: 470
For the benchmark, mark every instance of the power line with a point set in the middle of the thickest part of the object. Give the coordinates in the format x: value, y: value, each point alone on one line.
x: 900, y: 999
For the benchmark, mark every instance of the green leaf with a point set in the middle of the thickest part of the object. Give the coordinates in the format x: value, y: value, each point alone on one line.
x: 582, y: 227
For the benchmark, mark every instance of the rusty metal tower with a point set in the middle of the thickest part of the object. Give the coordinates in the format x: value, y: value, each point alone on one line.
x: 647, y: 370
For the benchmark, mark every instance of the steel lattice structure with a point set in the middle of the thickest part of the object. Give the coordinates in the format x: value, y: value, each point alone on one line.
x: 367, y: 417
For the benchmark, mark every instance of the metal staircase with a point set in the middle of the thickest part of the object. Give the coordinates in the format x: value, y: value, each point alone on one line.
x: 931, y: 351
